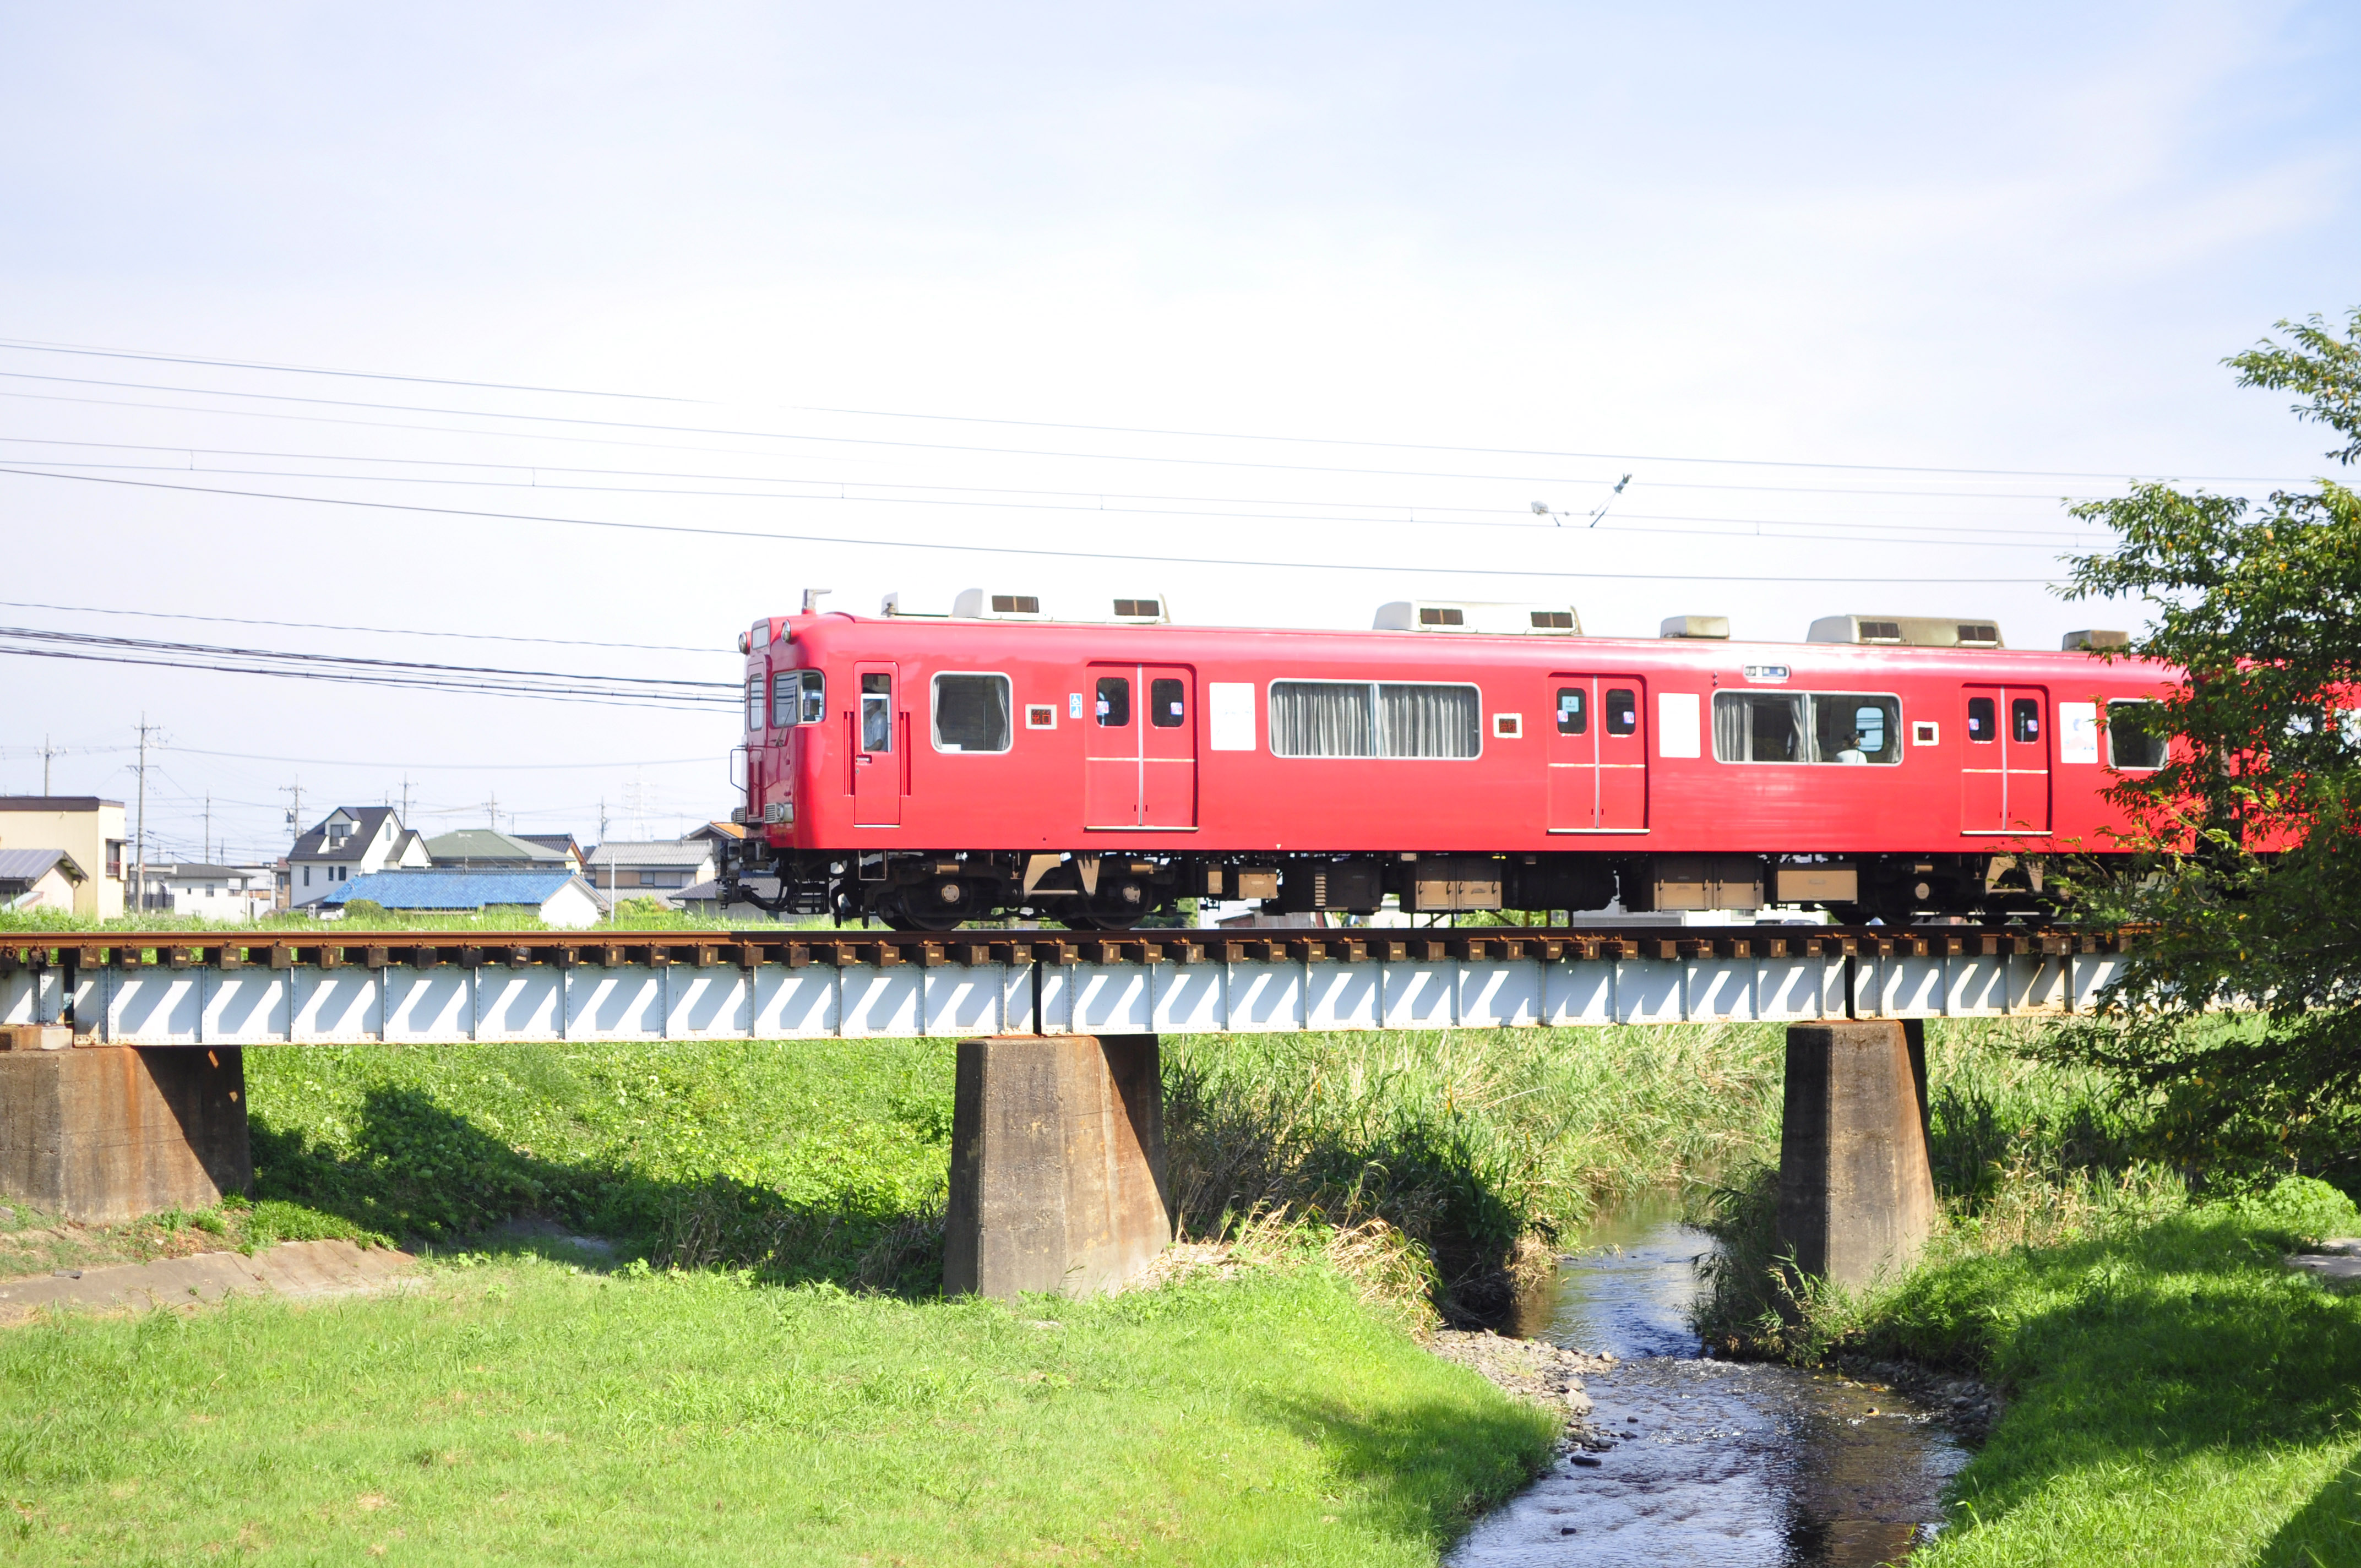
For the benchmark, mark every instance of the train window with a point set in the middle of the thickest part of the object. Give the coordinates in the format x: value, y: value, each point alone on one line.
x: 2131, y: 746
x: 2025, y: 719
x: 1573, y: 710
x: 970, y: 713
x: 1429, y: 720
x: 1622, y: 711
x: 1758, y: 727
x: 1375, y: 718
x: 1855, y: 728
x: 798, y: 697
x: 1323, y: 718
x: 1115, y: 701
x: 753, y: 702
x: 877, y: 713
x: 1984, y: 721
x: 1164, y: 709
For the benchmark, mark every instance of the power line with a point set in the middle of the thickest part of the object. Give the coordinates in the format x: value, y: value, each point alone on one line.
x: 1845, y: 532
x: 734, y: 433
x: 1098, y: 429
x: 327, y: 626
x: 867, y: 544
x: 640, y: 691
x: 706, y: 761
x: 193, y: 452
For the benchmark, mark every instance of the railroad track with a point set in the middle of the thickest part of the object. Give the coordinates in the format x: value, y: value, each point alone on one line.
x: 970, y: 948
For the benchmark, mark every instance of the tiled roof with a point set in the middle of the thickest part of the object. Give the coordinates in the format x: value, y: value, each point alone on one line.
x: 687, y: 852
x: 450, y: 889
x: 313, y: 846
x: 485, y: 844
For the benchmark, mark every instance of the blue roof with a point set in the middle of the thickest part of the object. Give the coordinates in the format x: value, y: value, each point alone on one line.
x: 450, y: 889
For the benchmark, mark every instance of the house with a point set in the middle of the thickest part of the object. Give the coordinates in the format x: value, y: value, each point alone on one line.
x: 213, y: 892
x: 351, y: 842
x: 655, y: 870
x: 39, y: 879
x: 563, y: 843
x: 485, y: 849
x: 559, y: 897
x: 83, y: 827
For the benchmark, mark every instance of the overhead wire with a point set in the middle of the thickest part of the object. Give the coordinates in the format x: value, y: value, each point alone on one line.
x: 334, y: 626
x: 1135, y: 557
x: 1843, y: 531
x: 636, y: 691
x: 734, y: 433
x: 1167, y: 433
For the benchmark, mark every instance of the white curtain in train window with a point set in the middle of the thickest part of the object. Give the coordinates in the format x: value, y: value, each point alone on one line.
x: 1757, y: 727
x: 1321, y: 719
x: 1429, y: 721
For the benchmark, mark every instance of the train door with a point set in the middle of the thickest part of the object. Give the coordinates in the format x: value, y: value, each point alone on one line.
x: 1167, y: 747
x: 1139, y: 748
x: 1597, y: 754
x: 1110, y: 747
x: 2005, y: 770
x: 876, y: 736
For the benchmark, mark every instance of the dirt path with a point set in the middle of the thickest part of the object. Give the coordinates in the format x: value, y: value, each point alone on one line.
x: 291, y: 1269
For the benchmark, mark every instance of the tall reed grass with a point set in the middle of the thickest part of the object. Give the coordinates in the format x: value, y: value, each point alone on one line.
x: 1483, y: 1147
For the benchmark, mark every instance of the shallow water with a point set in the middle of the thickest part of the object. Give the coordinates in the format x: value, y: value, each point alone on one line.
x: 1724, y: 1462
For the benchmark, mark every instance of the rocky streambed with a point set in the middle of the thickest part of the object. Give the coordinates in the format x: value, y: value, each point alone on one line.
x: 1670, y: 1457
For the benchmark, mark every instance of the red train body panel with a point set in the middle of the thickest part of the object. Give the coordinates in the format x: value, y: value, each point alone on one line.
x: 1206, y: 744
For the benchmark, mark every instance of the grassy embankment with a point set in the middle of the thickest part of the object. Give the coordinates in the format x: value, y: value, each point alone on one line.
x: 766, y: 1374
x: 2176, y: 1395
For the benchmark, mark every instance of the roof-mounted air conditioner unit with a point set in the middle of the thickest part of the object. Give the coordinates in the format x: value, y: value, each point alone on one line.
x: 1492, y: 619
x: 1907, y: 630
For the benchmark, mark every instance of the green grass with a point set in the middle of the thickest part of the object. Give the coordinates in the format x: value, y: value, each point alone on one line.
x: 520, y: 1411
x: 2176, y: 1395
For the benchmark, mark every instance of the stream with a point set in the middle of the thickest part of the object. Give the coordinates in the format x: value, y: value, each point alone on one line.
x: 1723, y: 1463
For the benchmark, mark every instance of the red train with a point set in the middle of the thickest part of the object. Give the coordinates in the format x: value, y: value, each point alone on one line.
x: 931, y: 772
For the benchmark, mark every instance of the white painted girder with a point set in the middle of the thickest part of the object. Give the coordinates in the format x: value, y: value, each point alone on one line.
x: 205, y: 1005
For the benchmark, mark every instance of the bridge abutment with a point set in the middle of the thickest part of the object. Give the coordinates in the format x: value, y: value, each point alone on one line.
x: 105, y: 1134
x: 1856, y: 1188
x: 1057, y: 1178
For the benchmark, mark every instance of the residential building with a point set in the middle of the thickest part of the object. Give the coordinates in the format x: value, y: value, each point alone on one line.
x: 563, y: 843
x: 85, y: 828
x: 561, y: 898
x: 213, y: 892
x: 39, y: 879
x: 484, y: 849
x: 350, y: 841
x: 652, y: 869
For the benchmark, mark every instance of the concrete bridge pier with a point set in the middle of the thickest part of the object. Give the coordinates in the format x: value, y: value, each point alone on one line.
x: 1856, y: 1186
x: 105, y: 1134
x: 1057, y: 1178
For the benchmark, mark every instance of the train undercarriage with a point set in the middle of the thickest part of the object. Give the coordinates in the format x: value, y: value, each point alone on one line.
x: 907, y: 890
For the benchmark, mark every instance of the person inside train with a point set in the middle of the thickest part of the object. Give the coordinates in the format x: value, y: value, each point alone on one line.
x: 1852, y: 751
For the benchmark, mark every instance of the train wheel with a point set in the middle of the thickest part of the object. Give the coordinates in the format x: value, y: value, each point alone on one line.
x: 1116, y: 906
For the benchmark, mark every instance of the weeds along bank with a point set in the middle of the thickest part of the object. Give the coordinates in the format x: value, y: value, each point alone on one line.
x: 824, y: 1160
x: 2175, y: 1395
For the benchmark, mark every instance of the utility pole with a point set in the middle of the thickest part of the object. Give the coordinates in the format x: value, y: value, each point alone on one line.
x: 405, y: 798
x: 492, y: 811
x: 205, y: 850
x: 140, y: 850
x: 48, y: 751
x: 294, y: 811
x: 610, y: 863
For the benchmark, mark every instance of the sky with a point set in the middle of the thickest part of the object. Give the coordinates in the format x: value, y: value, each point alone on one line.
x: 645, y: 321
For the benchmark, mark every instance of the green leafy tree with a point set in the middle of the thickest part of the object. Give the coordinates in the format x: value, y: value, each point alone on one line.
x: 2250, y: 836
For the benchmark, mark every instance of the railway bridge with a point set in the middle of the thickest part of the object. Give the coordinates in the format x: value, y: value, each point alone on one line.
x: 124, y: 1091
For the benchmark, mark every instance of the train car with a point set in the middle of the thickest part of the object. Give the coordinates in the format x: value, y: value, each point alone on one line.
x: 930, y: 772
